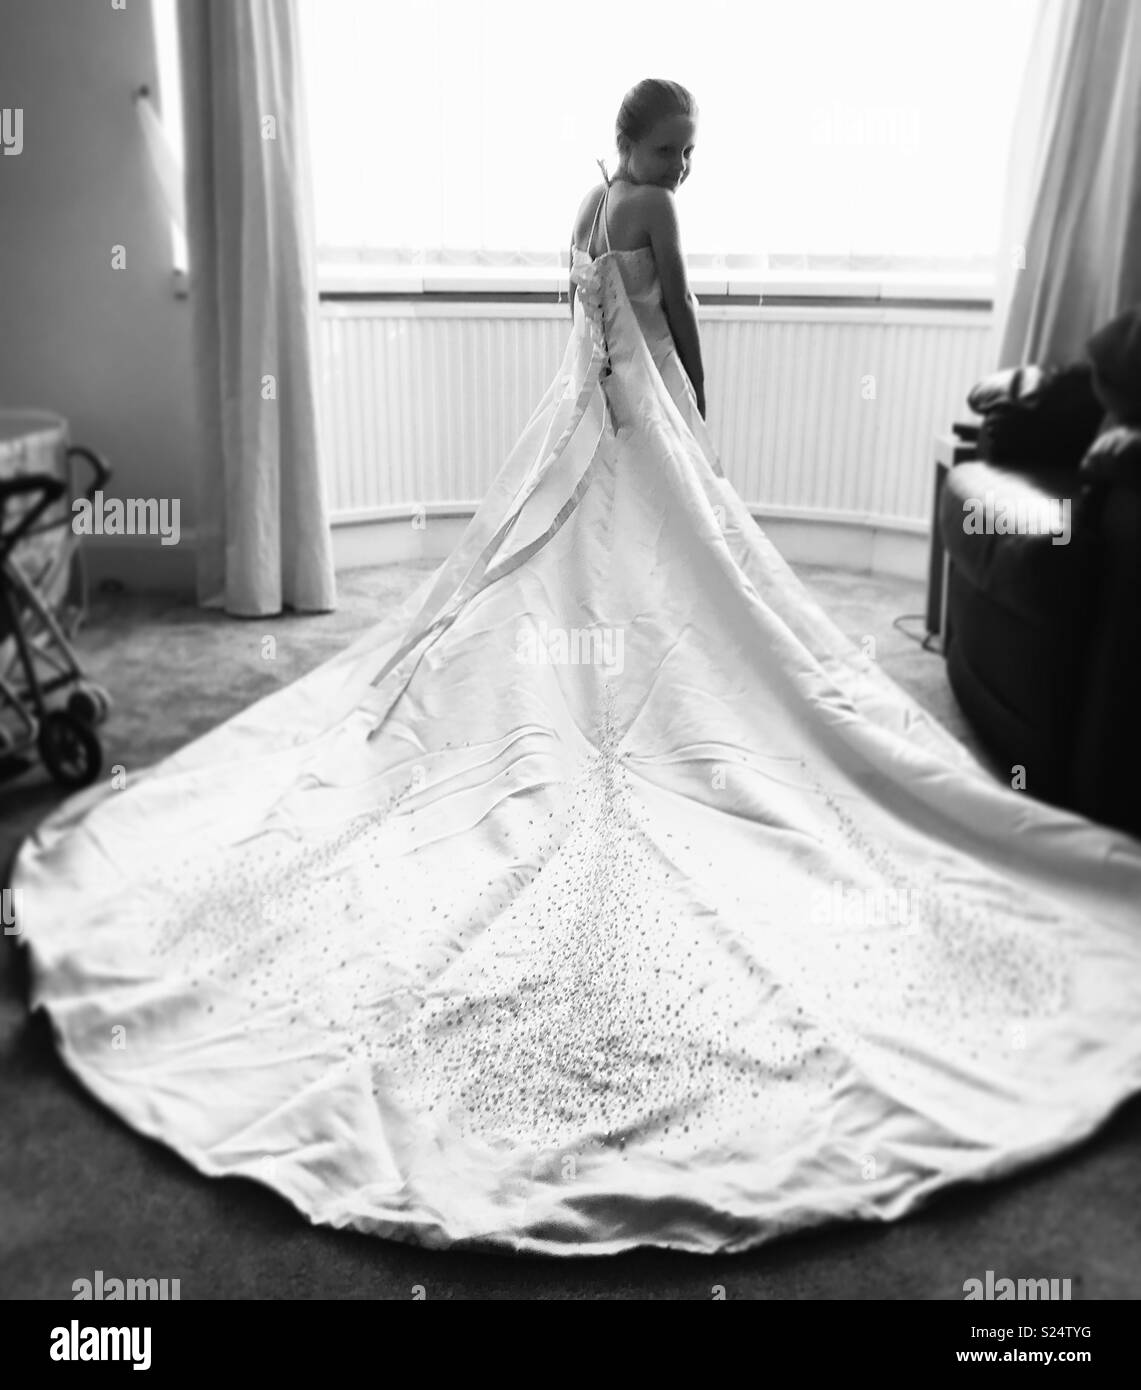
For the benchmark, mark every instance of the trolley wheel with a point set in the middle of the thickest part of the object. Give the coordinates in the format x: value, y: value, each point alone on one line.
x: 70, y: 750
x: 89, y: 703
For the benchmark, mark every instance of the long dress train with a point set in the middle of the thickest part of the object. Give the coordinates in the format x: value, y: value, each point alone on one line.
x: 605, y: 895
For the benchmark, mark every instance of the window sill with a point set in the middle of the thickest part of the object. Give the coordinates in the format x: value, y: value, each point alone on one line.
x: 346, y: 280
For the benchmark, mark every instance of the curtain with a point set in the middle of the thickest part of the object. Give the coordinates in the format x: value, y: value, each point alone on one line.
x: 1070, y: 254
x: 263, y: 539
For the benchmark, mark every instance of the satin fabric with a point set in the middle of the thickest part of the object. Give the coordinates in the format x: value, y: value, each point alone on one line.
x: 605, y: 895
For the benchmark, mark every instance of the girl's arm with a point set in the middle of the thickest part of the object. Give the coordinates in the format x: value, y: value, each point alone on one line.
x: 677, y: 298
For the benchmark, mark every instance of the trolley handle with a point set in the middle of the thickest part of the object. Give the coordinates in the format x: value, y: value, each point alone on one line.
x: 99, y: 468
x: 50, y: 489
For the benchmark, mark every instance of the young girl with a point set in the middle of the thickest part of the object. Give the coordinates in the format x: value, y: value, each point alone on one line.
x: 635, y: 209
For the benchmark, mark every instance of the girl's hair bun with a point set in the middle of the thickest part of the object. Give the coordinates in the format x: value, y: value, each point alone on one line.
x: 648, y: 102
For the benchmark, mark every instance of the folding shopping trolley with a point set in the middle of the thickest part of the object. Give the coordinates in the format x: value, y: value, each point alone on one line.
x: 39, y: 562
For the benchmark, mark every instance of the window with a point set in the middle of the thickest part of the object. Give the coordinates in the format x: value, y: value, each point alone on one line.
x: 832, y: 135
x: 170, y: 99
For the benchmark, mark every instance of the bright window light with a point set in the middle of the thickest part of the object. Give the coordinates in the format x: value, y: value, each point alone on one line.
x: 170, y: 101
x: 831, y: 134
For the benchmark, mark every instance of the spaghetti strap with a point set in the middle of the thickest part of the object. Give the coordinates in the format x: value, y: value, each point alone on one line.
x: 605, y: 232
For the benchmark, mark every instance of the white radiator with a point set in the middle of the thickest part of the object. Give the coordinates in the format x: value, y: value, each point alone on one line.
x: 825, y: 413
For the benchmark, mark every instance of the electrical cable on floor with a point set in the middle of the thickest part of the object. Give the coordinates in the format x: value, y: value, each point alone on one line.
x: 925, y: 642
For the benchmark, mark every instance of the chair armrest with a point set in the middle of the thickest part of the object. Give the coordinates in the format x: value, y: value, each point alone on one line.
x: 951, y: 449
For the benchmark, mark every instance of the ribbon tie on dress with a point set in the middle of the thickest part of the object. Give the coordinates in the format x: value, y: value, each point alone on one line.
x: 587, y: 275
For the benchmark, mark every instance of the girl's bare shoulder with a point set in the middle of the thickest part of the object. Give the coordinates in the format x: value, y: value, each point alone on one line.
x: 591, y: 199
x: 584, y: 218
x: 647, y: 195
x: 631, y: 192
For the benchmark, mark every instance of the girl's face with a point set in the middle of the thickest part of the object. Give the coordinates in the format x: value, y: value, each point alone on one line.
x: 664, y: 155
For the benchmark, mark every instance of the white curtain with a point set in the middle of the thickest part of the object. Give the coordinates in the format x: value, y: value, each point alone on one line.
x: 1070, y: 253
x: 263, y: 540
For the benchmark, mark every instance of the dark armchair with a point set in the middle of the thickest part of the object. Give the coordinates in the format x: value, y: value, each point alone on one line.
x: 1042, y: 530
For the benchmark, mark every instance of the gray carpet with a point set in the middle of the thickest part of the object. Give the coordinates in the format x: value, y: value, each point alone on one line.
x: 82, y: 1192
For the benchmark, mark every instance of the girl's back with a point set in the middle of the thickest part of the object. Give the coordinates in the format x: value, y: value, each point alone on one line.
x: 626, y: 214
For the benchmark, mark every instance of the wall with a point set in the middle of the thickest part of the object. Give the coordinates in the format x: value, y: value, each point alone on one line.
x: 109, y: 349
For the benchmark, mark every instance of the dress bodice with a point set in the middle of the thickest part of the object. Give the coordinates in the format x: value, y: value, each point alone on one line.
x: 638, y: 268
x: 596, y: 279
x: 620, y: 310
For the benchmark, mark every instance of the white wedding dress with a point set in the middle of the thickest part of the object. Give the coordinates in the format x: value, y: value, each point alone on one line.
x: 603, y: 896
